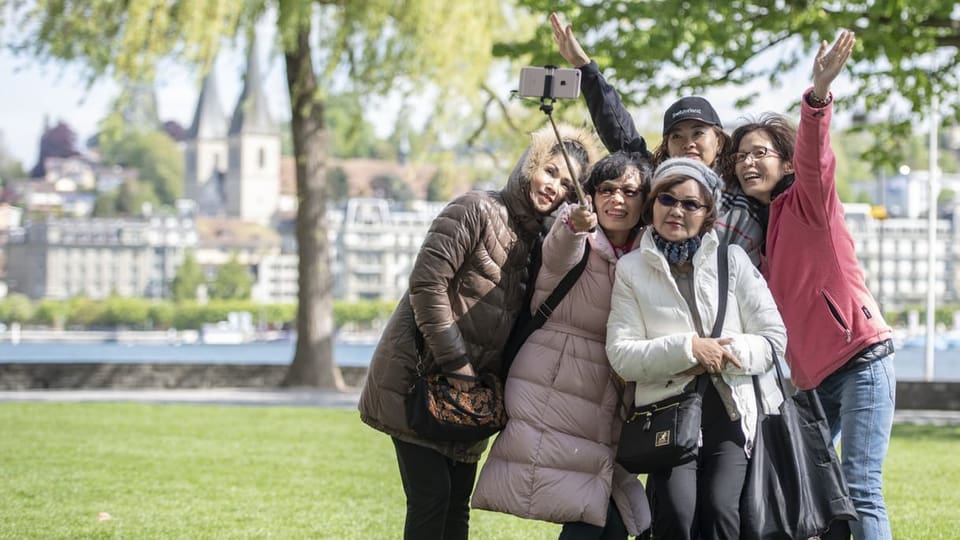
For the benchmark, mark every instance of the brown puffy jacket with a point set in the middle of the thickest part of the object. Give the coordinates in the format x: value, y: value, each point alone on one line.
x: 466, y: 289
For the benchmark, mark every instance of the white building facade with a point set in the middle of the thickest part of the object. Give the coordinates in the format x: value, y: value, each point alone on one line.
x: 894, y: 256
x: 64, y: 258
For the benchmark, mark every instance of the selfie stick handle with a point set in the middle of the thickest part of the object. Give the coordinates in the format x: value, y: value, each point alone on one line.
x: 547, y: 108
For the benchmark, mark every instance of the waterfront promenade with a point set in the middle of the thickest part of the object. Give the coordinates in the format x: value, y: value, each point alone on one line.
x: 298, y: 397
x: 303, y: 398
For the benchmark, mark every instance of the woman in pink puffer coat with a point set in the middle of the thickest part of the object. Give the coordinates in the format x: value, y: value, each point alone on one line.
x: 555, y: 460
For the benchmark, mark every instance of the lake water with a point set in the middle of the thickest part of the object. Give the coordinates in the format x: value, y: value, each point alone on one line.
x: 909, y: 363
x: 278, y: 352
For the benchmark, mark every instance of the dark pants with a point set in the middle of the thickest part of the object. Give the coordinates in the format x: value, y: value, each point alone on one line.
x: 614, y: 529
x: 701, y: 499
x: 438, y: 493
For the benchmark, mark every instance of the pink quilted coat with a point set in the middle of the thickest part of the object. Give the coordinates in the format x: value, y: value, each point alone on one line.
x: 554, y: 461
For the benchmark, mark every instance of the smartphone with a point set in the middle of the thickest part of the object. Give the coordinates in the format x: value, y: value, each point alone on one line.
x: 566, y: 82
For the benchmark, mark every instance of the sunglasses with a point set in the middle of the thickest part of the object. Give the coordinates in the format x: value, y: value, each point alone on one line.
x: 688, y: 205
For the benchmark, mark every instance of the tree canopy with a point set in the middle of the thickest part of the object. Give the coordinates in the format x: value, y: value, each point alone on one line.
x: 906, y: 51
x: 369, y: 47
x: 188, y: 280
x: 231, y: 282
x: 152, y: 152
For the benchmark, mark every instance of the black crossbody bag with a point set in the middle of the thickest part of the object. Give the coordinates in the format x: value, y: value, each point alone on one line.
x: 662, y: 435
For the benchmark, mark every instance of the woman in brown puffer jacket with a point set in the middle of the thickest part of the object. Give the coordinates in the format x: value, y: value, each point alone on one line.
x: 467, y: 287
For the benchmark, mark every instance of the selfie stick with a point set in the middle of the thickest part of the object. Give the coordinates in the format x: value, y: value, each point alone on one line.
x: 547, y: 108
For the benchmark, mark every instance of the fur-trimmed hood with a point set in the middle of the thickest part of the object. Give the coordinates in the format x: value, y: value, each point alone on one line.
x: 542, y: 142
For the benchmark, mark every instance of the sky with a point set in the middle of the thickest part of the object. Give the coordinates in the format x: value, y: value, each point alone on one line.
x: 33, y: 93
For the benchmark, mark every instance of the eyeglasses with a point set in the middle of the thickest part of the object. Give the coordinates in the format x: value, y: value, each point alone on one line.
x: 688, y: 205
x: 756, y: 154
x: 627, y: 192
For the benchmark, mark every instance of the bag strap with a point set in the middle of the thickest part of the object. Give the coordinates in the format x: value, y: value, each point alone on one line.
x: 527, y: 324
x: 418, y: 340
x: 723, y: 276
x: 776, y: 364
x: 546, y: 308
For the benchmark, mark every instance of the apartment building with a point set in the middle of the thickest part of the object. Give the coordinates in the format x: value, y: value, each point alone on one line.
x: 894, y: 256
x: 64, y: 257
x: 374, y: 244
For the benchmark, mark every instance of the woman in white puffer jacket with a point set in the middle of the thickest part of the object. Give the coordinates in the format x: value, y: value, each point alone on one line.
x: 664, y: 303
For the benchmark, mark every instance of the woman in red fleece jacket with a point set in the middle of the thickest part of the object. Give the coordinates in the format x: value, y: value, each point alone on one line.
x: 838, y: 343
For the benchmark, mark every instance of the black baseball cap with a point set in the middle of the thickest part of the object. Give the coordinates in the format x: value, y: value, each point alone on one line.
x: 690, y: 108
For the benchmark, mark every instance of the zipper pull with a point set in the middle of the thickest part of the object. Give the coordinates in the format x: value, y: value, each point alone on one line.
x: 646, y: 423
x: 848, y: 333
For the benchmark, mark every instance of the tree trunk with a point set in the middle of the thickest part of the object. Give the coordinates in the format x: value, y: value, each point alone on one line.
x: 313, y: 363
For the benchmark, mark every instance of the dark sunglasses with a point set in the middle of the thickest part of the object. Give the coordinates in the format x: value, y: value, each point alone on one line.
x: 688, y: 205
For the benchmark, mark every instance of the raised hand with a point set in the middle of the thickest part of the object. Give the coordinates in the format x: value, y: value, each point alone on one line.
x: 582, y: 217
x: 569, y: 47
x: 828, y: 64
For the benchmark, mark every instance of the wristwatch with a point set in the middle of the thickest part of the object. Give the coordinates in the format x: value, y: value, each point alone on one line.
x: 818, y: 102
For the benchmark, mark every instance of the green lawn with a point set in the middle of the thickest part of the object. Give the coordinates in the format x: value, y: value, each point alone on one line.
x: 170, y: 471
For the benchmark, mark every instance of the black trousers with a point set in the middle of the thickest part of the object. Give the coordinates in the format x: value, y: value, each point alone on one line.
x: 614, y: 529
x: 700, y: 500
x: 438, y: 493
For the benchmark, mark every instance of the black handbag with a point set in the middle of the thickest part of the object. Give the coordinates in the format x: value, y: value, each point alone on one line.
x: 662, y: 435
x: 794, y: 487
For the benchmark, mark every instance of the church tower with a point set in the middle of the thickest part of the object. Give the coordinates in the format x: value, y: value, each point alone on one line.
x: 253, y: 141
x: 205, y: 151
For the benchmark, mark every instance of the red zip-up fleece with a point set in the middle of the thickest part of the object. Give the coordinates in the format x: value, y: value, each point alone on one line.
x: 811, y: 266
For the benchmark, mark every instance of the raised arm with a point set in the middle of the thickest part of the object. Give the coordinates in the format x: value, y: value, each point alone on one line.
x: 813, y: 160
x: 611, y: 119
x: 828, y: 64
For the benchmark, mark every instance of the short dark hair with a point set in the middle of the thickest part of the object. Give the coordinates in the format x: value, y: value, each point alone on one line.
x: 665, y: 185
x: 782, y: 133
x: 614, y: 166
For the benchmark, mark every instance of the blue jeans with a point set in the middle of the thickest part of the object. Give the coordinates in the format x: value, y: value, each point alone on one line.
x: 859, y: 406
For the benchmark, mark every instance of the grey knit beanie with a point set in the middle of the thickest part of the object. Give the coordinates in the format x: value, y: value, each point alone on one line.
x: 693, y: 169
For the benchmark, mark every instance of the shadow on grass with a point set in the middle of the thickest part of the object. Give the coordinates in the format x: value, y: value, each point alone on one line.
x: 930, y: 432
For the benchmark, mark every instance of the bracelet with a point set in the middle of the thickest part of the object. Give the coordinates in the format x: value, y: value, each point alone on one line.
x: 818, y: 102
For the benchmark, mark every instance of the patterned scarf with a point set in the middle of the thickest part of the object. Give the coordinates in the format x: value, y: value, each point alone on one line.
x: 677, y: 252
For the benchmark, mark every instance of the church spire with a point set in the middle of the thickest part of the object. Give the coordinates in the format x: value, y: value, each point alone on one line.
x: 209, y: 119
x: 252, y: 115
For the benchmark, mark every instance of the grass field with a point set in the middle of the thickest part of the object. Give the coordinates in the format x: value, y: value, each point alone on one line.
x: 169, y: 471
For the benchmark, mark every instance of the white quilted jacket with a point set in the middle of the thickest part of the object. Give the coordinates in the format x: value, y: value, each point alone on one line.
x: 650, y: 329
